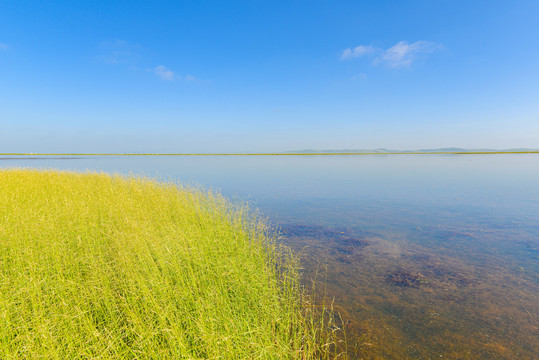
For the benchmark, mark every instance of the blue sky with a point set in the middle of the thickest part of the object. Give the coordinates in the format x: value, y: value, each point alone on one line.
x: 226, y: 76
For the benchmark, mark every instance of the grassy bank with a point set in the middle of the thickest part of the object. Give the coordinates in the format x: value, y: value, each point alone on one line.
x: 282, y: 154
x: 99, y: 266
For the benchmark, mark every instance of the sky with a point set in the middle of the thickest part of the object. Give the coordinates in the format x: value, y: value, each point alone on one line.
x: 264, y: 76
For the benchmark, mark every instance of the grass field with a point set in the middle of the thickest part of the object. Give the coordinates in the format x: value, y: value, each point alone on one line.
x: 94, y: 266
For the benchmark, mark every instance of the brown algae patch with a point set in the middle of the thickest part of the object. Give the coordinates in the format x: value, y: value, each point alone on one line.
x: 408, y: 300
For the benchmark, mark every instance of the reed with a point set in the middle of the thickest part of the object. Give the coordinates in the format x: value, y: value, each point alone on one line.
x: 94, y: 266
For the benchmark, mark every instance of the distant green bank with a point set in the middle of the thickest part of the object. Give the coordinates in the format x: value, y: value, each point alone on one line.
x: 282, y: 154
x: 94, y: 266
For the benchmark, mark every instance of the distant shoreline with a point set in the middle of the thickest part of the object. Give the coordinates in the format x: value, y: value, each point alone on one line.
x: 37, y: 155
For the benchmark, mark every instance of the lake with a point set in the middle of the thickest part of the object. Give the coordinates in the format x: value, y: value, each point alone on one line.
x: 425, y: 256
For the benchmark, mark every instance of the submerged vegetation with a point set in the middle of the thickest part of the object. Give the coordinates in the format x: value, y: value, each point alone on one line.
x: 100, y: 266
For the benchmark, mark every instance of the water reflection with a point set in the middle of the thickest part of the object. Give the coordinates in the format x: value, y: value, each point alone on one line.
x: 427, y: 256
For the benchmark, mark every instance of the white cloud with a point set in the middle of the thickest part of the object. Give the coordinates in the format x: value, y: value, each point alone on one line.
x: 3, y: 46
x: 402, y: 54
x: 357, y: 52
x: 164, y: 74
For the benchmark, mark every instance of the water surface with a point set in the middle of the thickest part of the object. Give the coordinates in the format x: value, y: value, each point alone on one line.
x: 427, y: 256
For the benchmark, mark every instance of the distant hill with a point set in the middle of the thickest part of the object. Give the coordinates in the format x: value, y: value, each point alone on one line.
x: 392, y: 151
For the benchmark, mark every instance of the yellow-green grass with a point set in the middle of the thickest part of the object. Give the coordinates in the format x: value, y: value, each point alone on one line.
x: 94, y: 266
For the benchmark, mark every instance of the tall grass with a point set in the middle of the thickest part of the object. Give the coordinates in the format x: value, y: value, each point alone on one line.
x: 94, y: 266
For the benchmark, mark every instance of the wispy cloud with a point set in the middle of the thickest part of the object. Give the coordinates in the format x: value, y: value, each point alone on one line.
x: 3, y: 46
x: 164, y: 73
x: 360, y: 76
x: 357, y: 52
x: 117, y: 52
x: 400, y: 55
x: 125, y: 54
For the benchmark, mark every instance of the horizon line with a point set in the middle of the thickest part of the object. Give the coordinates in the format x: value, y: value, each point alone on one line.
x: 490, y: 152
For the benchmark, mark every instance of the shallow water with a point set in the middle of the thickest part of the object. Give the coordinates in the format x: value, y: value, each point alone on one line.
x: 427, y: 256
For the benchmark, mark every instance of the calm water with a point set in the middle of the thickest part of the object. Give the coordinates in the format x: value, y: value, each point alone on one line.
x: 427, y: 256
